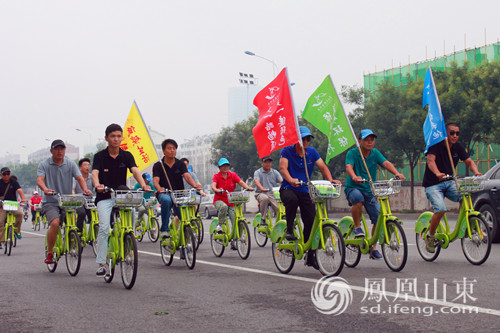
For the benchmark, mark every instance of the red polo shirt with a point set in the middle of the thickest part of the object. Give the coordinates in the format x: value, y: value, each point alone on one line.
x: 228, y: 184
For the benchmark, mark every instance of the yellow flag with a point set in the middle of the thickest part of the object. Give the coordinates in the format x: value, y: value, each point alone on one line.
x: 136, y: 139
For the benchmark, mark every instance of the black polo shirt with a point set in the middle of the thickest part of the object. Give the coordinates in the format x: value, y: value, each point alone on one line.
x: 11, y: 193
x: 174, y: 174
x: 443, y: 161
x: 112, y: 171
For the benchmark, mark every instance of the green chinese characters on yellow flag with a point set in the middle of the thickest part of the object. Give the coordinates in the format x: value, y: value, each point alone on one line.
x: 325, y: 112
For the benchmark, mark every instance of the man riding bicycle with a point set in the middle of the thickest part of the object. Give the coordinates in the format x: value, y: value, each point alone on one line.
x: 9, y: 188
x: 265, y: 179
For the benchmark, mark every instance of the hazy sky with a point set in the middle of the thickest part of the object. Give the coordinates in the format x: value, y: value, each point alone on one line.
x: 80, y: 64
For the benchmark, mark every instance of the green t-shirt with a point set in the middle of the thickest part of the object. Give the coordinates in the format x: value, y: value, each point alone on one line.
x: 353, y: 158
x: 146, y: 195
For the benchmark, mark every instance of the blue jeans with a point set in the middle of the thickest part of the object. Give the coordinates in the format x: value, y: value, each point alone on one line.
x: 372, y: 207
x: 104, y: 208
x: 437, y: 193
x: 166, y: 203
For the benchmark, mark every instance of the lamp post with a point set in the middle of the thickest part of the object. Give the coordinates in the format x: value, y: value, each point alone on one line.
x: 275, y: 68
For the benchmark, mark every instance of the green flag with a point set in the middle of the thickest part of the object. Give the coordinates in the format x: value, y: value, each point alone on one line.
x: 325, y: 112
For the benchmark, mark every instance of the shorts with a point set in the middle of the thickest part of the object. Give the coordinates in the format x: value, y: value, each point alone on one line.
x: 437, y: 193
x: 372, y: 207
x: 52, y: 212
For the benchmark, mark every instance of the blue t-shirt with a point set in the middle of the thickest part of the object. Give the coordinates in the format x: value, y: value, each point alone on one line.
x: 353, y: 158
x: 296, y: 166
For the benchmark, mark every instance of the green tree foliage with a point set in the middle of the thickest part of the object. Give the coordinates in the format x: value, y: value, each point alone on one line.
x: 26, y: 173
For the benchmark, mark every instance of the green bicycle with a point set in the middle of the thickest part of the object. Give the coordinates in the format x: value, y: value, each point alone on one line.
x: 89, y: 236
x: 10, y: 239
x: 150, y: 224
x: 39, y: 218
x: 388, y: 231
x: 196, y: 221
x: 182, y: 237
x: 68, y: 242
x: 262, y: 232
x: 471, y: 227
x: 122, y: 246
x: 325, y: 236
x: 239, y: 236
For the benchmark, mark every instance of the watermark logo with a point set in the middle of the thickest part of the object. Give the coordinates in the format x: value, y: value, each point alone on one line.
x: 331, y: 295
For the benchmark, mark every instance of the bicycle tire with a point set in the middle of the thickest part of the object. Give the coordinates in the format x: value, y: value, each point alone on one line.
x: 195, y: 228
x: 283, y: 259
x: 331, y: 259
x: 14, y: 239
x: 190, y: 247
x: 9, y: 241
x: 260, y: 237
x: 420, y: 239
x: 109, y: 278
x: 130, y: 261
x: 244, y: 243
x: 138, y: 232
x: 74, y: 253
x: 51, y: 267
x: 94, y: 240
x: 202, y: 229
x: 154, y: 232
x: 477, y: 248
x: 166, y: 253
x: 352, y: 252
x: 395, y: 252
x: 217, y: 246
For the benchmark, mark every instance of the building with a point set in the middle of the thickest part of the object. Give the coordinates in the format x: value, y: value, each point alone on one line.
x: 198, y: 152
x: 72, y: 152
x: 10, y: 159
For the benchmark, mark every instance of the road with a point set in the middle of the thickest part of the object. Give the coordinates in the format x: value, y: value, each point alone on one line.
x: 230, y: 294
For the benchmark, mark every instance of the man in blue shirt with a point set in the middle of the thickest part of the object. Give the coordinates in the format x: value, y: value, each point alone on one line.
x: 360, y: 194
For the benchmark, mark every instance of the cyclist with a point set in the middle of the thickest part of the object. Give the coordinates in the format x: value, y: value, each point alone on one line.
x: 147, y: 195
x: 360, y: 194
x: 9, y: 188
x: 56, y: 174
x: 84, y: 165
x: 110, y: 169
x: 293, y: 195
x: 176, y: 171
x: 265, y: 179
x: 35, y: 200
x: 437, y: 167
x: 225, y: 180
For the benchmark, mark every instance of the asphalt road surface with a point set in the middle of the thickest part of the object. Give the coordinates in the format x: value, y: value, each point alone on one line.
x: 230, y: 294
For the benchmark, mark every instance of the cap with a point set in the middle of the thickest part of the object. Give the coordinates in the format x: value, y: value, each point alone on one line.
x: 267, y: 158
x: 190, y: 168
x: 35, y: 192
x: 4, y: 169
x: 57, y: 143
x: 304, y: 131
x: 366, y: 133
x: 147, y: 177
x: 223, y: 161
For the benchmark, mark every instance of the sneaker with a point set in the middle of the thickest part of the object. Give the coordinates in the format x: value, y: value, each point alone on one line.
x: 358, y: 232
x: 18, y: 235
x: 290, y: 237
x: 165, y: 234
x: 374, y: 254
x: 218, y: 229
x: 429, y: 244
x: 50, y: 259
x: 182, y: 255
x: 101, y: 271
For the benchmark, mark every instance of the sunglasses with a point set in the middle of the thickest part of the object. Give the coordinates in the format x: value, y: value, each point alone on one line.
x: 6, y: 173
x: 454, y: 132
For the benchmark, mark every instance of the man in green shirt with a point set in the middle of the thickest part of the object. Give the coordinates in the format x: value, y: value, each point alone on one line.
x: 360, y: 194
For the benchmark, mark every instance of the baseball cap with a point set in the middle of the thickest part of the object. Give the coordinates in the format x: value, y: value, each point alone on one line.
x: 366, y: 133
x: 267, y: 158
x: 304, y: 131
x: 35, y: 192
x: 57, y: 143
x: 147, y: 177
x: 223, y: 161
x: 4, y: 169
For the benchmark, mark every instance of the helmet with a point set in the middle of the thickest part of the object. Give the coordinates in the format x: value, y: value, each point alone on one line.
x: 223, y: 161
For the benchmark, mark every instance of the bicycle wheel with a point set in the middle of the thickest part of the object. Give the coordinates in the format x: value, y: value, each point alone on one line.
x: 9, y: 241
x: 260, y: 236
x: 14, y: 238
x: 195, y: 228
x: 244, y: 243
x: 202, y: 230
x: 153, y: 233
x: 109, y: 277
x: 283, y: 259
x: 51, y: 267
x: 130, y: 261
x: 190, y: 247
x: 138, y: 231
x: 94, y: 241
x: 352, y: 253
x: 217, y: 246
x: 73, y: 255
x: 477, y: 247
x: 331, y: 259
x: 395, y: 249
x: 166, y: 251
x: 422, y: 249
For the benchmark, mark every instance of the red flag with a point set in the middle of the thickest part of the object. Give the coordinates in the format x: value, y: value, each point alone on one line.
x: 277, y: 125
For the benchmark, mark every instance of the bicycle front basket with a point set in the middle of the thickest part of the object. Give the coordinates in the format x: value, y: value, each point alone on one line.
x: 127, y: 198
x: 150, y: 202
x: 71, y: 200
x: 89, y: 203
x: 276, y: 191
x: 387, y: 187
x: 184, y: 197
x: 10, y: 205
x: 238, y: 197
x: 38, y: 207
x: 323, y: 190
x: 470, y: 184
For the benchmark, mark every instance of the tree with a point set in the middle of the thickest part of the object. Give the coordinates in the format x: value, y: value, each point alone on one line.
x: 25, y: 173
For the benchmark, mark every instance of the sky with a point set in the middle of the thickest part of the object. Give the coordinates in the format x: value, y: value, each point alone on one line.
x: 81, y: 64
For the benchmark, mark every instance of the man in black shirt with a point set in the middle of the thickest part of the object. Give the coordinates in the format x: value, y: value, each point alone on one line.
x: 8, y: 189
x: 110, y: 169
x: 438, y: 166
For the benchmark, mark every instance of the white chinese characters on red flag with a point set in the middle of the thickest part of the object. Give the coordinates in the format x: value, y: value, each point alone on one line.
x: 277, y: 126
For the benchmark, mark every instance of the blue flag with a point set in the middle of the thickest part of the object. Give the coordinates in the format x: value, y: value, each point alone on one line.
x: 434, y: 126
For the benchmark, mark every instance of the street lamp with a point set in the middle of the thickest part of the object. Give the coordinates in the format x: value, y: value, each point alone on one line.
x: 275, y: 68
